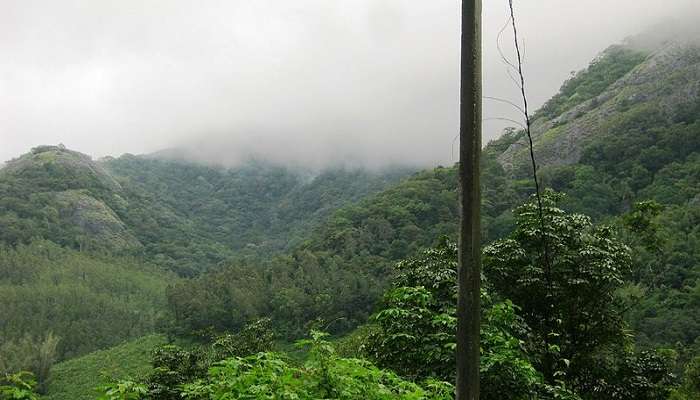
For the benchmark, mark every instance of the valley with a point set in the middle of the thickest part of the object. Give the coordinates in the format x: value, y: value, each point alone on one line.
x: 139, y: 251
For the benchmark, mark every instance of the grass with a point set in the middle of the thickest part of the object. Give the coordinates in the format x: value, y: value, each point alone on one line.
x: 78, y: 378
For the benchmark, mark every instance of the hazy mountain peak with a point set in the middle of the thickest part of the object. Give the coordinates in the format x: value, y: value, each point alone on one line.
x: 60, y: 166
x: 623, y: 79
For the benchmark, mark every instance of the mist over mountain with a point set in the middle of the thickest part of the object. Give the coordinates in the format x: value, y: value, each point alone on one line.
x: 310, y: 82
x: 287, y: 169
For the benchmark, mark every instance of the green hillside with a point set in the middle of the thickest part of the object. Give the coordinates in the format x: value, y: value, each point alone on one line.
x: 63, y: 196
x: 59, y: 303
x: 87, y: 248
x: 79, y: 378
x: 180, y: 215
x: 336, y: 275
x: 207, y: 214
x: 96, y: 253
x: 646, y: 148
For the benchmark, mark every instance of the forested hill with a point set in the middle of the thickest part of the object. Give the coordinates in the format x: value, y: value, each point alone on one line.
x: 87, y: 247
x: 623, y: 131
x: 628, y: 91
x: 621, y: 139
x: 181, y: 215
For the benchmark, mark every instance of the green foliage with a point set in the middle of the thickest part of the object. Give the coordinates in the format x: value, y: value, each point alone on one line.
x: 669, y: 282
x: 294, y: 291
x: 337, y: 275
x: 691, y: 383
x: 225, y: 369
x: 385, y: 228
x: 18, y: 386
x: 613, y: 64
x: 417, y: 320
x: 641, y: 156
x: 588, y: 191
x: 642, y: 223
x: 267, y: 375
x: 561, y: 332
x: 179, y: 215
x: 77, y: 378
x: 251, y: 210
x: 60, y: 195
x: 620, y: 375
x: 359, y: 243
x: 692, y: 376
x: 33, y: 354
x: 59, y: 303
x: 126, y: 372
x: 569, y: 301
x: 640, y: 152
x: 124, y: 390
x: 568, y: 298
x: 174, y: 366
x: 416, y: 327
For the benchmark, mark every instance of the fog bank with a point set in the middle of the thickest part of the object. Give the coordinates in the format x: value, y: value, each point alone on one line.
x: 312, y: 82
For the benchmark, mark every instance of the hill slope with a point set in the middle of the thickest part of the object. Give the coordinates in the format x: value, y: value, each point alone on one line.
x: 625, y: 130
x: 78, y: 378
x: 58, y: 303
x: 181, y: 215
x: 624, y: 82
x: 251, y: 210
x: 64, y: 196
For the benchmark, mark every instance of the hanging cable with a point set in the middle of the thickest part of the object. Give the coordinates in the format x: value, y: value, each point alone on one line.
x: 528, y: 131
x: 538, y: 194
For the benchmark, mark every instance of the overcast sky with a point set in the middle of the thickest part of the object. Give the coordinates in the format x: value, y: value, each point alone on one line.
x: 310, y: 81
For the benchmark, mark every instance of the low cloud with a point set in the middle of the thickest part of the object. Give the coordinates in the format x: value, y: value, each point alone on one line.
x: 308, y: 81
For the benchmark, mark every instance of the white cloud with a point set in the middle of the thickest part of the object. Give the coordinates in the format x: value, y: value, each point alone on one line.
x: 311, y: 81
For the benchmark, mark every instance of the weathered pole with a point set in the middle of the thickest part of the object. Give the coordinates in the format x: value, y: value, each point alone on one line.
x: 468, y: 304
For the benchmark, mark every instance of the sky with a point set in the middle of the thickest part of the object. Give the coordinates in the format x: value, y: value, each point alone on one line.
x: 312, y: 82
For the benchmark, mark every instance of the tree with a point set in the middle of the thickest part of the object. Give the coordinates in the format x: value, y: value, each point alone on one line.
x: 174, y: 366
x: 45, y: 358
x: 586, y: 339
x: 267, y: 375
x: 414, y: 332
x: 691, y: 382
x: 28, y: 353
x: 19, y: 386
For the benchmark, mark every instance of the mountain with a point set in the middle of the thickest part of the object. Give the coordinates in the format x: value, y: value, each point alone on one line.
x: 256, y: 208
x: 77, y: 378
x: 185, y: 216
x: 88, y: 248
x: 621, y: 139
x: 63, y: 195
x: 624, y: 80
x: 58, y: 303
x: 623, y: 131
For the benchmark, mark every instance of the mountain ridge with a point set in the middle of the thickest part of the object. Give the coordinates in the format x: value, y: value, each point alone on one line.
x: 668, y: 77
x: 625, y: 146
x: 158, y: 207
x: 645, y: 154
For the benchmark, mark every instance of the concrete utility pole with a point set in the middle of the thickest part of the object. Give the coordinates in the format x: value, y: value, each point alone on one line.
x: 468, y: 304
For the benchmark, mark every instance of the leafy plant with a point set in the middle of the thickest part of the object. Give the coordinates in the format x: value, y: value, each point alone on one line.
x: 18, y: 386
x: 124, y: 390
x: 174, y: 366
x: 566, y: 288
x: 416, y: 327
x: 267, y: 375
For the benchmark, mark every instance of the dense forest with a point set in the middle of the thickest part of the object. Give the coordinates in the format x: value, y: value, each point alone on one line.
x: 182, y: 216
x: 230, y: 266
